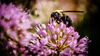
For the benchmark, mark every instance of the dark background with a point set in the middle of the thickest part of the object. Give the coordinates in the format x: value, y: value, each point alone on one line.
x: 90, y: 27
x: 93, y: 25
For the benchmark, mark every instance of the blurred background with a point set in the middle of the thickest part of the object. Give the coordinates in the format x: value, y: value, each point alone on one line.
x: 87, y: 23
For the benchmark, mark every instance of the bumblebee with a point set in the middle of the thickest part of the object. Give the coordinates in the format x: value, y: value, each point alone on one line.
x: 59, y: 16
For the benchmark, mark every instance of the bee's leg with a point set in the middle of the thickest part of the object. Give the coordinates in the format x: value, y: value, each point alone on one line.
x: 51, y: 20
x: 68, y: 21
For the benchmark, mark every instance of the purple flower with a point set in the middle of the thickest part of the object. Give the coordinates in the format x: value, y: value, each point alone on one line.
x: 43, y: 26
x: 51, y: 28
x: 25, y: 37
x: 73, y: 44
x: 42, y: 32
x: 83, y: 40
x: 12, y: 34
x: 62, y: 25
x: 44, y: 41
x: 54, y: 36
x: 60, y: 39
x: 66, y: 52
x: 14, y: 16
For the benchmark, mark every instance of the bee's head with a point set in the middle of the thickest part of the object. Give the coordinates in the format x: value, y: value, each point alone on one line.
x: 56, y: 15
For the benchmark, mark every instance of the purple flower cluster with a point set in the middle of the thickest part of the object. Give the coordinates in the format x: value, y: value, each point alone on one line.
x: 10, y: 15
x: 13, y: 19
x: 14, y: 24
x: 57, y: 39
x: 51, y: 39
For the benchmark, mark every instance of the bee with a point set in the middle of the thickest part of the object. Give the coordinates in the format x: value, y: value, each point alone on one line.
x: 59, y: 16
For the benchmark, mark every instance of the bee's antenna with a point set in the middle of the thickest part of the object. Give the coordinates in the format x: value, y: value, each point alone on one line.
x: 74, y: 11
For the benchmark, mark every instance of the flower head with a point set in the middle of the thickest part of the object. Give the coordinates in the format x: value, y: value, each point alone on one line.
x: 60, y: 39
x: 14, y: 17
